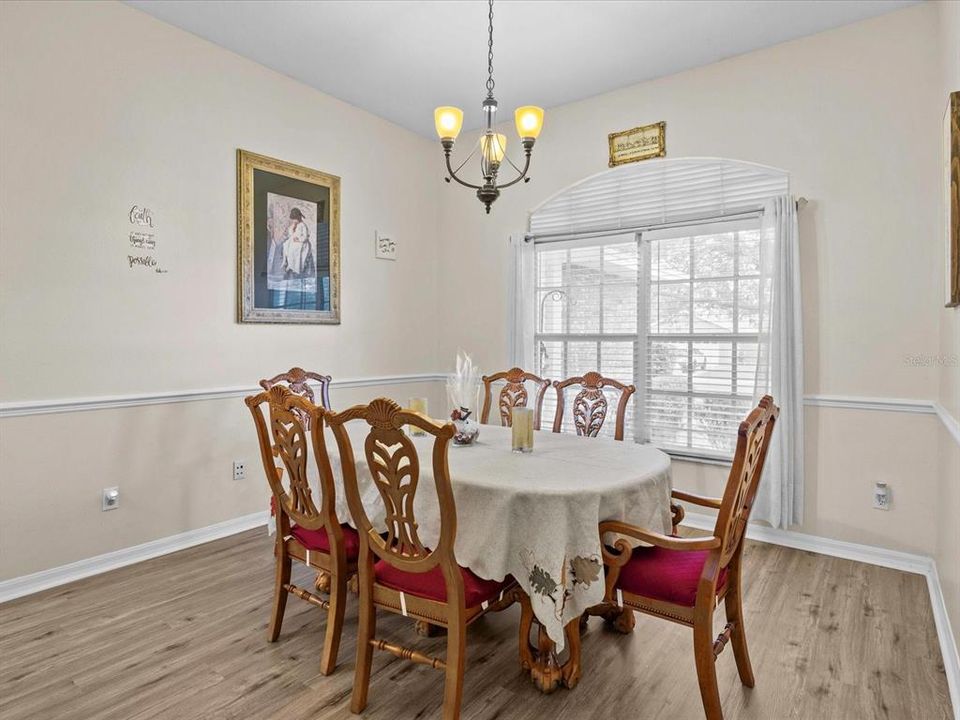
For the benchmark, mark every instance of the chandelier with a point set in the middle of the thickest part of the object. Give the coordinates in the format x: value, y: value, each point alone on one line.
x: 492, y: 146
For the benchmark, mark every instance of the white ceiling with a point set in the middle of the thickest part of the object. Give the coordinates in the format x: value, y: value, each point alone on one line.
x: 399, y: 59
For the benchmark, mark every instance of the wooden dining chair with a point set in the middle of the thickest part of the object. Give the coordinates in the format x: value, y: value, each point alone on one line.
x: 513, y: 394
x: 397, y: 572
x: 297, y: 380
x: 306, y: 533
x: 591, y: 404
x: 684, y: 579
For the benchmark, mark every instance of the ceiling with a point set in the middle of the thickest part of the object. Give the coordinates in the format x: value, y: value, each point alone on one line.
x: 399, y: 59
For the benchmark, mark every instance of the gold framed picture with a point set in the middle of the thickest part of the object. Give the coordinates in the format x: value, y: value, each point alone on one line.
x: 288, y: 242
x: 639, y: 143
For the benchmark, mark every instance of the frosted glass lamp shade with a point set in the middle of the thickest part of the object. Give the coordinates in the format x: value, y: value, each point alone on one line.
x: 448, y: 120
x: 529, y: 120
x: 493, y: 147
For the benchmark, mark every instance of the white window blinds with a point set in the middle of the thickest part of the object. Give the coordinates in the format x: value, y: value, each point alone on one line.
x: 672, y: 312
x: 633, y: 277
x: 701, y: 336
x: 656, y: 192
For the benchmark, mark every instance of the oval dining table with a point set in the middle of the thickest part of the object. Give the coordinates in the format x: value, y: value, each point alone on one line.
x: 535, y: 516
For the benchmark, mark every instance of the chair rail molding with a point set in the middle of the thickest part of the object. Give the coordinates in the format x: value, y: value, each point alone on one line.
x: 949, y: 421
x: 106, y: 402
x: 853, y: 402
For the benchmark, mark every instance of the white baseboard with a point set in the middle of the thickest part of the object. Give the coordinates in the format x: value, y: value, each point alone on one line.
x: 907, y: 562
x: 29, y: 584
x: 948, y: 643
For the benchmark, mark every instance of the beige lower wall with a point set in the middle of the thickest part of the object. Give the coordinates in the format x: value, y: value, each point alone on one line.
x: 846, y: 452
x: 173, y: 464
x: 182, y: 479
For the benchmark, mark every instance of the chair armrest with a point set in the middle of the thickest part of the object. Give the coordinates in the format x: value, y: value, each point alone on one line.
x: 696, y: 499
x: 658, y: 539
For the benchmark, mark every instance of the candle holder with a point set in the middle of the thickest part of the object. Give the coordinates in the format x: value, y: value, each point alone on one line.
x: 521, y: 424
x: 417, y: 404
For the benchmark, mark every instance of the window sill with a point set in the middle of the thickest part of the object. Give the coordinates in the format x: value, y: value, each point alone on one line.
x: 699, y: 459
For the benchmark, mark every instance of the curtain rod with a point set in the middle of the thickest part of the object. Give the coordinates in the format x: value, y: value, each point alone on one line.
x: 557, y: 237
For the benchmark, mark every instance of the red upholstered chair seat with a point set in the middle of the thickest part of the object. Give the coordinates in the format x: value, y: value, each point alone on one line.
x: 668, y: 575
x: 318, y: 540
x: 430, y: 585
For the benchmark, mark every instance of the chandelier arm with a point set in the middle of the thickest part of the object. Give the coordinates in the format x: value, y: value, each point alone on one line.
x: 507, y: 158
x: 521, y: 176
x: 467, y: 159
x: 453, y: 175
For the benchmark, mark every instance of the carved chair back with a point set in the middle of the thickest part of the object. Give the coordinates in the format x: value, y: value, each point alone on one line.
x: 753, y: 440
x: 283, y: 433
x: 297, y: 381
x: 591, y: 404
x: 395, y: 468
x: 513, y: 394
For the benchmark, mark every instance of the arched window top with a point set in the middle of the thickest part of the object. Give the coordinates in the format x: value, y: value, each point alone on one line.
x: 659, y: 191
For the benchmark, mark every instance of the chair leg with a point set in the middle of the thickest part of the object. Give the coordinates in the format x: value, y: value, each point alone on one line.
x: 366, y: 629
x: 338, y: 602
x: 733, y: 605
x: 279, y: 595
x: 706, y: 667
x: 456, y: 661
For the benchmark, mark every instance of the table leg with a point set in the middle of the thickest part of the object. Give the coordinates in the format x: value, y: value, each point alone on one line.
x: 541, y: 660
x: 425, y: 629
x: 620, y: 618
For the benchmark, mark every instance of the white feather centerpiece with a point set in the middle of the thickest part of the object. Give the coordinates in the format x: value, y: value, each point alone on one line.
x: 463, y: 389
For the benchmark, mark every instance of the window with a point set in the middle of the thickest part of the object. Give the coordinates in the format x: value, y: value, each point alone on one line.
x: 674, y: 312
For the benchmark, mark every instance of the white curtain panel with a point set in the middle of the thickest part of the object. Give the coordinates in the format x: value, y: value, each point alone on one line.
x: 524, y: 299
x: 780, y: 363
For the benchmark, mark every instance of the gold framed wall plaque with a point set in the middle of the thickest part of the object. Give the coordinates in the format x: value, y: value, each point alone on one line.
x: 639, y: 143
x: 288, y: 242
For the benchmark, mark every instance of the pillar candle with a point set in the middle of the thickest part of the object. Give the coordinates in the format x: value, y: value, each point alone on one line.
x: 522, y: 429
x: 418, y: 404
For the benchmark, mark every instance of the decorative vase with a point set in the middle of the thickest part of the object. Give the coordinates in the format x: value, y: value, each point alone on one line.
x: 467, y: 428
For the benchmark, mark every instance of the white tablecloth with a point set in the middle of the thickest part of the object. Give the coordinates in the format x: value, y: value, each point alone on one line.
x: 535, y: 515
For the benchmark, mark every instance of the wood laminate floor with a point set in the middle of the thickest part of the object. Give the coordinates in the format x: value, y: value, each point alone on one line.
x: 184, y: 636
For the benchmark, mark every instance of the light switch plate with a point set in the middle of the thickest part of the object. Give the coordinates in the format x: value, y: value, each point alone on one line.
x: 385, y: 248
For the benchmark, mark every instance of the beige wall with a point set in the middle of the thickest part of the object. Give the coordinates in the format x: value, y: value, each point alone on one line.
x: 854, y: 115
x: 948, y: 497
x: 103, y: 107
x: 143, y: 113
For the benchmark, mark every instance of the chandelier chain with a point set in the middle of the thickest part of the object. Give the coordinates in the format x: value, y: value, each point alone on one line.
x: 490, y: 53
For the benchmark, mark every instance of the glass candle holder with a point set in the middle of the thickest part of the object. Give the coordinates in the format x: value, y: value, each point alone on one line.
x: 417, y: 404
x: 521, y: 424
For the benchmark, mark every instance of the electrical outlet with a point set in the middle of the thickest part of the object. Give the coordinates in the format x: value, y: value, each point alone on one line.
x: 881, y: 496
x: 109, y: 498
x: 385, y: 248
x: 239, y: 470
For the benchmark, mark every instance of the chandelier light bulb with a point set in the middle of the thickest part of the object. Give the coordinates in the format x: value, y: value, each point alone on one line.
x: 493, y: 147
x: 529, y: 119
x: 448, y: 120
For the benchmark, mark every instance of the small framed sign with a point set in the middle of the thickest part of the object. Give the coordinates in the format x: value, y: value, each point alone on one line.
x: 639, y: 143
